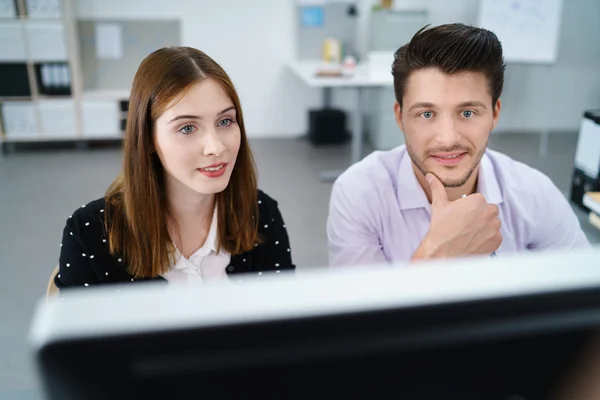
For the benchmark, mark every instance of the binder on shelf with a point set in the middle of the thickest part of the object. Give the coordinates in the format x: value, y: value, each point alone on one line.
x: 53, y: 79
x: 124, y: 108
x: 14, y: 81
x: 43, y: 9
x: 8, y: 9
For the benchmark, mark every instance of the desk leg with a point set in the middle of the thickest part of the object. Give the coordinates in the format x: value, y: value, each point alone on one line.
x: 358, y: 128
x: 327, y: 97
x: 544, y: 139
x: 357, y: 136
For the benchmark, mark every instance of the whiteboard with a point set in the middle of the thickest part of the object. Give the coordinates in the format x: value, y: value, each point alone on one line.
x: 528, y: 29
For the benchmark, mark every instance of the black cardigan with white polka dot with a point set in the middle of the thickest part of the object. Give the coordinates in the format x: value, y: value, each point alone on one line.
x: 86, y: 261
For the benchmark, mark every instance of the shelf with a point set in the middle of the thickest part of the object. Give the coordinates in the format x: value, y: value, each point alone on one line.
x: 15, y: 98
x: 41, y: 139
x: 116, y: 94
x: 54, y: 96
x: 44, y: 19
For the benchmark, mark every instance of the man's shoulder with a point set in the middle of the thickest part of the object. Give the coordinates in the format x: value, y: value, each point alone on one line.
x: 377, y: 170
x: 517, y: 177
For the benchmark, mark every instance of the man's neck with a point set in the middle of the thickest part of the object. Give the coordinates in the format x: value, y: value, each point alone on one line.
x: 453, y: 193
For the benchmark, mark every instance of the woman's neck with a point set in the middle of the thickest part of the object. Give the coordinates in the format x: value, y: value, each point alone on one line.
x: 188, y: 207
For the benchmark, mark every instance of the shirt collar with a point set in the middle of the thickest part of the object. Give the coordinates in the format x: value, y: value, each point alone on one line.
x: 487, y: 183
x: 411, y: 195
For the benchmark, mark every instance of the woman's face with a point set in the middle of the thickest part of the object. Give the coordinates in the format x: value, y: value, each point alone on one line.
x: 197, y: 139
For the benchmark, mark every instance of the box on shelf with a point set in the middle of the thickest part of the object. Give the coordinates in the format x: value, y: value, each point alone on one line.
x: 8, y: 9
x: 43, y: 8
x: 46, y: 41
x: 12, y: 42
x: 57, y: 117
x: 100, y: 118
x: 18, y: 119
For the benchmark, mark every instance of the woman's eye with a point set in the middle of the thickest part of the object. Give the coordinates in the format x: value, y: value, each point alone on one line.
x: 225, y: 122
x: 467, y: 113
x: 186, y: 130
x: 427, y: 114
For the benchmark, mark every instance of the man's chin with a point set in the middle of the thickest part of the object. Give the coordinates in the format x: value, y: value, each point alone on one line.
x: 455, y: 177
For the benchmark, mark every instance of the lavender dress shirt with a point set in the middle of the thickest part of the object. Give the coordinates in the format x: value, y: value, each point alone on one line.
x: 379, y: 212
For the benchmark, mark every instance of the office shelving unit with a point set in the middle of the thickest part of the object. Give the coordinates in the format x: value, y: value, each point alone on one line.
x: 41, y: 87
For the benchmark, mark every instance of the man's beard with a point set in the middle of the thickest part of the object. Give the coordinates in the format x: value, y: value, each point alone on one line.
x: 449, y: 183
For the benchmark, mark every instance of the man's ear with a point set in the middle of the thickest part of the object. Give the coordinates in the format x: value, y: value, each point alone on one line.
x: 398, y: 115
x: 496, y: 113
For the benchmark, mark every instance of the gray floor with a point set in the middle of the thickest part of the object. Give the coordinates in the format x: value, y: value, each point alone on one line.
x: 38, y: 190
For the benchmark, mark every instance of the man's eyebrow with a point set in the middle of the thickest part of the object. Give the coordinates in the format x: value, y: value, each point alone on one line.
x: 472, y: 104
x: 421, y: 104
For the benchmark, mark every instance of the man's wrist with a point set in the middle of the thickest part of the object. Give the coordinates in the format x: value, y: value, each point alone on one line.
x: 426, y: 250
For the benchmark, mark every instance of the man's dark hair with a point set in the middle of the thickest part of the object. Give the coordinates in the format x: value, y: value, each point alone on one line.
x: 451, y: 48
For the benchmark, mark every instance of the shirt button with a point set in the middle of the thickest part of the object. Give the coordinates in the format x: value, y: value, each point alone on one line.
x: 230, y: 268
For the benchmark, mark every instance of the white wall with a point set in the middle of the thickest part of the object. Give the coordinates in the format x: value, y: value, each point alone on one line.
x: 536, y: 97
x: 251, y: 39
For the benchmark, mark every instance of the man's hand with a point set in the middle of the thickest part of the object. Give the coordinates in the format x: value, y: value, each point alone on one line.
x: 467, y: 226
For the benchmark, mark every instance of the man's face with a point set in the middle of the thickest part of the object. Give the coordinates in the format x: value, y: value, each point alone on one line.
x: 447, y: 120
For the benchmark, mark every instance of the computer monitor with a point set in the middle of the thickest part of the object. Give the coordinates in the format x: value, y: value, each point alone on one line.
x: 503, y: 328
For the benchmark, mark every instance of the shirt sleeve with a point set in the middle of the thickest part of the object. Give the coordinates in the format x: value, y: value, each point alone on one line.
x: 559, y: 227
x: 75, y: 268
x: 352, y: 238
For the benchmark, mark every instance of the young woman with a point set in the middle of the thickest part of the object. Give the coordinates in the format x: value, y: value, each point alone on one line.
x: 186, y: 206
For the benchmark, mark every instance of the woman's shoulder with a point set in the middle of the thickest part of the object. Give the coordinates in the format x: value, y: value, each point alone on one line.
x: 267, y: 205
x: 89, y: 213
x: 265, y: 200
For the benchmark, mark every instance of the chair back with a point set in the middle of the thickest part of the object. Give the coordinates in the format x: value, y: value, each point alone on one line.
x: 52, y: 289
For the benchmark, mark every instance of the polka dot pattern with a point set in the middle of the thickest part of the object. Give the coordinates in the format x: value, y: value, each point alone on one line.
x: 85, y: 259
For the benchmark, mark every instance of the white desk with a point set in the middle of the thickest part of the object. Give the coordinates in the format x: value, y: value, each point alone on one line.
x: 364, y: 77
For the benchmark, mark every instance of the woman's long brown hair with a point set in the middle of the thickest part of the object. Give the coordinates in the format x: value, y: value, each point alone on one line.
x: 136, y: 207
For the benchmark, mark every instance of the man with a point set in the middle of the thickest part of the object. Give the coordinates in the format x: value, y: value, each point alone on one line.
x: 444, y: 194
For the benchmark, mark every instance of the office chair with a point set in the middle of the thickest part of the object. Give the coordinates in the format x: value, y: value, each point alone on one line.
x: 52, y: 289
